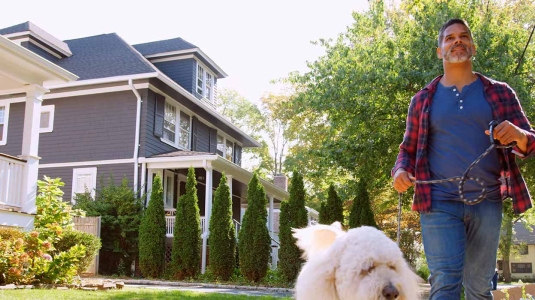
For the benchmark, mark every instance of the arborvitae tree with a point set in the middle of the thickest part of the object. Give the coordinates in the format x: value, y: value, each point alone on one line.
x: 361, y: 212
x: 333, y: 209
x: 186, y: 254
x: 254, y: 240
x: 222, y: 233
x: 152, y: 233
x: 293, y: 215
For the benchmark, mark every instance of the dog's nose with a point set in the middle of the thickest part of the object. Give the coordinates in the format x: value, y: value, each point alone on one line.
x: 390, y: 292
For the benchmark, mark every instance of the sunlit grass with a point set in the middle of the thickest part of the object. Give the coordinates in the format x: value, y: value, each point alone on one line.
x: 126, y: 293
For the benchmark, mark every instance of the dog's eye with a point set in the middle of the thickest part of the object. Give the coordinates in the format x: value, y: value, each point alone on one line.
x: 367, y: 271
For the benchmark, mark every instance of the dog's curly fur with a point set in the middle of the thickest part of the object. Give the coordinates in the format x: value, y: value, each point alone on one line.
x: 360, y: 264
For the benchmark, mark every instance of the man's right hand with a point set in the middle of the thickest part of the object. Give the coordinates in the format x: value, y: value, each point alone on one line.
x: 403, y: 180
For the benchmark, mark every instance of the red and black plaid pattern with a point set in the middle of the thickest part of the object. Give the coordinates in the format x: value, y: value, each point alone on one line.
x: 413, y: 150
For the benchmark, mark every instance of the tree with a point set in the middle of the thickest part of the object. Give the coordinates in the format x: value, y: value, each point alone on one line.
x: 120, y: 210
x: 152, y: 233
x: 361, y: 212
x: 332, y: 210
x: 222, y: 233
x: 186, y: 253
x: 293, y: 215
x: 254, y: 243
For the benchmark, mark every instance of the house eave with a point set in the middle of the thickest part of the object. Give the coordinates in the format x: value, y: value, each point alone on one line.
x: 222, y: 74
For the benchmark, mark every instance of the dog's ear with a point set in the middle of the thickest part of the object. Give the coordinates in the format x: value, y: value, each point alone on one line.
x: 315, y: 239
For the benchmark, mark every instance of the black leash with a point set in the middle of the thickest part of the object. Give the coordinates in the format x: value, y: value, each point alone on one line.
x: 494, y: 144
x: 462, y: 179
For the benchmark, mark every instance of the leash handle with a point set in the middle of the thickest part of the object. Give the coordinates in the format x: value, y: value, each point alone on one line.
x: 493, y: 141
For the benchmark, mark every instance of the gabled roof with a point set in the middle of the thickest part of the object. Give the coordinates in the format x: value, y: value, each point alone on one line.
x: 522, y: 235
x: 170, y: 45
x: 40, y: 34
x: 102, y: 56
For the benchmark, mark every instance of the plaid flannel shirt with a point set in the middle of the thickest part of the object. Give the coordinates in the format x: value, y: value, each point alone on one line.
x: 413, y: 158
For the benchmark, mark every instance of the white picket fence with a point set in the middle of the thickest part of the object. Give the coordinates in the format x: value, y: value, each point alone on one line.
x: 11, y: 176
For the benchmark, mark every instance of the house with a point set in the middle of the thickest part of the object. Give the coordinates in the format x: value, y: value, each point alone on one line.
x: 26, y: 74
x: 136, y: 111
x: 522, y: 266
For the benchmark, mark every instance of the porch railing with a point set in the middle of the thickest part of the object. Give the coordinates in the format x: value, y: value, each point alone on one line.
x: 11, y: 176
x: 170, y: 223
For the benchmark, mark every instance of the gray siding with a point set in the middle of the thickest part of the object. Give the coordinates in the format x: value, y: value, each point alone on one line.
x: 119, y: 171
x: 93, y: 127
x: 14, y: 130
x: 181, y: 71
x: 203, y: 137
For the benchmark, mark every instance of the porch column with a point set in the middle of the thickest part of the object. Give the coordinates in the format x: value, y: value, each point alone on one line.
x: 274, y: 248
x: 30, y: 146
x: 270, y: 216
x: 207, y: 213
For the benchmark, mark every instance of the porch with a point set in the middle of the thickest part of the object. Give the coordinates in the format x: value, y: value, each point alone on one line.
x: 25, y: 74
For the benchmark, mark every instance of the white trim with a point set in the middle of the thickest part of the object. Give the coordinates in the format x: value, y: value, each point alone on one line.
x: 173, y: 58
x: 84, y: 171
x: 36, y: 43
x: 49, y: 109
x: 119, y: 88
x: 193, y: 50
x: 6, y: 122
x: 104, y: 80
x: 87, y: 163
x: 16, y: 34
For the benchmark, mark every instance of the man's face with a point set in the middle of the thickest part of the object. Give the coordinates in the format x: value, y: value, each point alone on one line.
x: 457, y: 45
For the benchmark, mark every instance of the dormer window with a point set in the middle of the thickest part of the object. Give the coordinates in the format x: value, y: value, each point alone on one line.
x: 205, y: 83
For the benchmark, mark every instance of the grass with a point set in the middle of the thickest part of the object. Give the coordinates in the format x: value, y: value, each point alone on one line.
x: 126, y: 293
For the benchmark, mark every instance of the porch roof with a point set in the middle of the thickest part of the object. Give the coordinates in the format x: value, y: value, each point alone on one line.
x: 186, y: 159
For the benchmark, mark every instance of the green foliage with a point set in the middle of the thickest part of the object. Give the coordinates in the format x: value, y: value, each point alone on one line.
x: 26, y: 260
x: 51, y: 209
x: 361, y: 211
x: 292, y: 215
x: 254, y: 240
x: 186, y: 254
x: 71, y: 238
x: 222, y: 233
x: 120, y: 209
x: 152, y: 233
x: 333, y: 209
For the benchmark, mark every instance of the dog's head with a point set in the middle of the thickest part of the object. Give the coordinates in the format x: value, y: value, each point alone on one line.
x: 362, y: 264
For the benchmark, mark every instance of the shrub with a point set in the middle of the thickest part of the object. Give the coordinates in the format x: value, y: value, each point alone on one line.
x: 333, y: 209
x: 254, y: 240
x: 222, y: 233
x: 293, y: 215
x: 361, y: 212
x: 9, y: 233
x: 51, y: 209
x: 71, y: 238
x: 186, y: 254
x: 152, y: 234
x: 120, y: 209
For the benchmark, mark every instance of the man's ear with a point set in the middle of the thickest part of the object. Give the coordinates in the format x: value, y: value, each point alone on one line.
x: 439, y: 53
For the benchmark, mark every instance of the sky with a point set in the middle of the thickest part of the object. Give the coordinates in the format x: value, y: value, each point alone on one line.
x: 253, y: 41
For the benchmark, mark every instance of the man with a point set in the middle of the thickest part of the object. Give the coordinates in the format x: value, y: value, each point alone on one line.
x: 447, y: 129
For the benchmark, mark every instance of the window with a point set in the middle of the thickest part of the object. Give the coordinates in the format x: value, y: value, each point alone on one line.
x: 200, y: 79
x: 84, y: 179
x: 178, y: 137
x: 229, y: 150
x: 4, y: 116
x: 520, y: 267
x: 169, y: 189
x: 220, y: 145
x: 46, y: 123
x: 523, y: 249
x: 205, y: 83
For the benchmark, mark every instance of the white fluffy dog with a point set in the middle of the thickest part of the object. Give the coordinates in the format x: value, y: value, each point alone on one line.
x: 360, y: 264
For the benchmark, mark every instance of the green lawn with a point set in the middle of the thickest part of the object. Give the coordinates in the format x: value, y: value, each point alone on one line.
x: 127, y: 293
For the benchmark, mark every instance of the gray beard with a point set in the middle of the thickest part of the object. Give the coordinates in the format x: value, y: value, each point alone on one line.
x: 458, y: 57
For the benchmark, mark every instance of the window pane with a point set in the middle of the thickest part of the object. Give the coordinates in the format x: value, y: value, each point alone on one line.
x: 200, y: 76
x: 229, y: 149
x: 183, y: 140
x: 208, y: 92
x: 2, y: 112
x: 169, y: 192
x: 45, y: 119
x: 220, y: 145
x: 169, y: 127
x: 184, y: 121
x: 83, y: 183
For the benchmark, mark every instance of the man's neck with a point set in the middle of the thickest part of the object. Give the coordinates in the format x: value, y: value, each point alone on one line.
x: 458, y: 75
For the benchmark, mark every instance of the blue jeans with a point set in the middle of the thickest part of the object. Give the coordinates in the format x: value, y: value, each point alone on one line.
x: 460, y: 243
